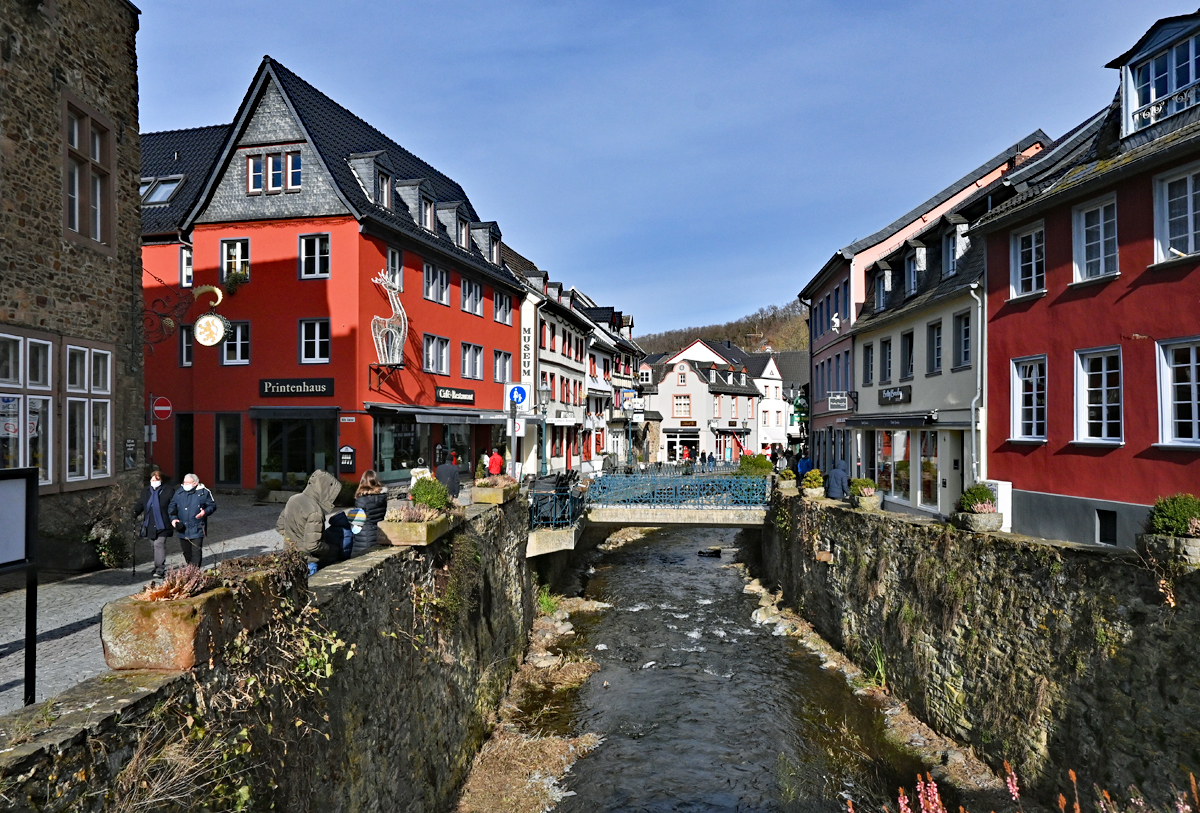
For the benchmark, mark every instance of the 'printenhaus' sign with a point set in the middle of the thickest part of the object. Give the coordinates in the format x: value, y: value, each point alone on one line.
x: 294, y: 387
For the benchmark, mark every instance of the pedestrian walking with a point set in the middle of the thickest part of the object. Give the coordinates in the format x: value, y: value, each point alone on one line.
x: 156, y: 525
x: 302, y: 520
x: 447, y: 475
x: 495, y: 463
x: 189, y: 510
x: 372, y: 498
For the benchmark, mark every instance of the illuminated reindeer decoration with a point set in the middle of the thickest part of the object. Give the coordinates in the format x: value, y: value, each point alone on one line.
x: 390, y: 333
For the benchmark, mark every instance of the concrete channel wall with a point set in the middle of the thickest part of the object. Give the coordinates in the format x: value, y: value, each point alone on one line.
x: 1050, y: 656
x: 394, y: 728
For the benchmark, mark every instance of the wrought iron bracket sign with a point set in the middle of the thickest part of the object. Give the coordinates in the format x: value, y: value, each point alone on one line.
x: 895, y: 395
x: 294, y: 387
x: 453, y: 395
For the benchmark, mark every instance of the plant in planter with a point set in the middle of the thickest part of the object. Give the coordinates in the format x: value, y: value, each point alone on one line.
x: 234, y: 280
x: 977, y: 511
x: 495, y: 490
x: 862, y: 494
x: 426, y: 519
x: 787, y: 474
x: 1173, y: 530
x: 480, y: 471
x: 754, y: 465
x: 813, y: 484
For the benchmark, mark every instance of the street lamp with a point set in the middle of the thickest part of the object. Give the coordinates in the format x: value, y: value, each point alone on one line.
x: 543, y: 402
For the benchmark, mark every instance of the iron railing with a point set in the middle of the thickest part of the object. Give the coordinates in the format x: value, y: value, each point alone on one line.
x: 679, y: 492
x: 556, y: 509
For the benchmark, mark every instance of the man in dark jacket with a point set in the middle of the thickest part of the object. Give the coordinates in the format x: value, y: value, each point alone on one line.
x: 302, y: 521
x: 189, y: 510
x: 839, y: 482
x: 447, y: 475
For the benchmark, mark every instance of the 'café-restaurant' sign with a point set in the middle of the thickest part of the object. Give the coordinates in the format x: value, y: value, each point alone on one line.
x: 895, y: 395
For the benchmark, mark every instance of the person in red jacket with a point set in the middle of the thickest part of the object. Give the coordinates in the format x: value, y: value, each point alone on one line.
x: 495, y: 463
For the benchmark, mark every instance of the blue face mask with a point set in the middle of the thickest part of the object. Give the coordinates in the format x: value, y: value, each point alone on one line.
x: 355, y: 529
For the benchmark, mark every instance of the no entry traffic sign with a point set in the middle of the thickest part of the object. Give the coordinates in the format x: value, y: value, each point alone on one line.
x: 161, y: 409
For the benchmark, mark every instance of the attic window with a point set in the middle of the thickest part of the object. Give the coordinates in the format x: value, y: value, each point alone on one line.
x: 464, y: 234
x: 160, y: 190
x: 254, y: 175
x: 712, y: 376
x: 383, y: 189
x: 427, y: 213
x: 495, y: 251
x: 1163, y: 85
x: 743, y: 378
x: 294, y: 171
x: 275, y: 173
x: 880, y: 294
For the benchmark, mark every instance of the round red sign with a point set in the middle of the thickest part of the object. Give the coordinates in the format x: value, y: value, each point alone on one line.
x: 162, y: 409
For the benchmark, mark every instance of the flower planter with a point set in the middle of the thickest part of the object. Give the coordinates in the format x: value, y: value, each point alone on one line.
x: 417, y: 533
x: 1185, y: 549
x: 813, y: 493
x: 178, y: 634
x: 494, y: 495
x: 788, y: 488
x: 978, y: 523
x: 869, y: 503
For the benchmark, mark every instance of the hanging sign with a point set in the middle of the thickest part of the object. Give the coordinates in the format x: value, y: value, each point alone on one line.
x: 210, y: 329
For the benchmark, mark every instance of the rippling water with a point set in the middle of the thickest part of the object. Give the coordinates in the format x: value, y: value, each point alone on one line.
x: 705, y: 711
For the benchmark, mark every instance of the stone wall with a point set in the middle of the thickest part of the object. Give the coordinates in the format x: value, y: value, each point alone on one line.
x: 1050, y: 656
x: 403, y: 717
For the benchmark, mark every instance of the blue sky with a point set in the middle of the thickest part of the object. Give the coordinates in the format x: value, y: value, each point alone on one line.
x: 685, y: 162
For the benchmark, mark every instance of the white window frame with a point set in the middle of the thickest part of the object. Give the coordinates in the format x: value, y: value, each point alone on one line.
x: 1080, y: 243
x: 501, y: 366
x: 187, y: 346
x: 502, y: 307
x: 48, y: 386
x: 1162, y: 241
x: 880, y: 291
x: 644, y: 376
x: 20, y: 359
x: 383, y: 189
x: 107, y: 471
x: 310, y: 249
x: 93, y: 355
x: 494, y: 250
x: 47, y: 428
x: 316, y: 340
x: 1166, y: 420
x: 1017, y: 392
x: 273, y: 160
x: 436, y: 284
x: 684, y: 401
x: 1015, y: 291
x: 716, y: 406
x: 1081, y: 396
x: 186, y: 272
x: 293, y: 170
x: 237, y: 340
x: 240, y: 263
x: 464, y: 234
x: 87, y: 369
x: 87, y: 462
x: 950, y: 253
x: 395, y: 267
x: 441, y: 347
x: 471, y: 356
x: 1176, y: 96
x: 261, y: 187
x: 428, y: 214
x: 910, y: 273
x: 471, y: 296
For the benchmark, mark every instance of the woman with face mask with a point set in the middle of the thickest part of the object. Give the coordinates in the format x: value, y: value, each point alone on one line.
x: 156, y: 524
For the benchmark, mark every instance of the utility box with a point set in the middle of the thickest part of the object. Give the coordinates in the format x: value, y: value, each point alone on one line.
x: 1002, y: 489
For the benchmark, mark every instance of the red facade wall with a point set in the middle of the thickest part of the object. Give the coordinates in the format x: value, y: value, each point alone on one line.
x: 1132, y: 311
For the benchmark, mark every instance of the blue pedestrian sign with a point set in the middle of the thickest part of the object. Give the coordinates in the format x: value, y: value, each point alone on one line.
x: 515, y: 394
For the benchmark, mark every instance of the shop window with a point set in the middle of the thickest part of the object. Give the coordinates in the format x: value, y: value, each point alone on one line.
x: 229, y: 449
x: 400, y: 446
x: 928, y: 495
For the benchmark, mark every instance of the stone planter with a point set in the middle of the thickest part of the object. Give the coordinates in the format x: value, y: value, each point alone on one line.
x: 1185, y: 549
x: 977, y: 523
x: 494, y: 496
x: 788, y: 488
x: 813, y: 493
x: 870, y: 503
x: 416, y: 533
x: 176, y: 635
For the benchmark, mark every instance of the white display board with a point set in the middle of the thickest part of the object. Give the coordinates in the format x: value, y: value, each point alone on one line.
x: 12, y: 521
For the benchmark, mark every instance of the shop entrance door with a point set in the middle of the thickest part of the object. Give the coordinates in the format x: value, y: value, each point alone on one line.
x: 289, y: 450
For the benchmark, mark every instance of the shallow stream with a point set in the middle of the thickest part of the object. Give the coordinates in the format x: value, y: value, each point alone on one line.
x: 703, y: 710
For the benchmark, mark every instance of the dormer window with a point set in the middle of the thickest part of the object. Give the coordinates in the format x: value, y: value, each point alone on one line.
x: 383, y: 189
x: 494, y: 252
x: 743, y: 379
x: 464, y: 234
x: 910, y: 274
x: 950, y: 254
x: 712, y: 376
x: 880, y: 291
x: 160, y: 190
x: 1162, y: 85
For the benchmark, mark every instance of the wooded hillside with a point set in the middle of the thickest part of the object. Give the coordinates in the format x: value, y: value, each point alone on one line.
x: 783, y: 328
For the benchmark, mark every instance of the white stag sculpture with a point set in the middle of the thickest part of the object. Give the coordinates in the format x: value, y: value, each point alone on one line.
x: 390, y: 333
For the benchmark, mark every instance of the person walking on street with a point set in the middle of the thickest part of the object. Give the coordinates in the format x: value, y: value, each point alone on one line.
x: 495, y: 463
x: 372, y: 498
x: 189, y: 510
x: 302, y: 520
x: 839, y: 482
x: 447, y: 475
x: 156, y: 526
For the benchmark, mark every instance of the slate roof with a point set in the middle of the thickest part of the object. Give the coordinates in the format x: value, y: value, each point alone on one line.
x: 517, y: 262
x: 336, y: 135
x: 197, y: 149
x: 793, y: 365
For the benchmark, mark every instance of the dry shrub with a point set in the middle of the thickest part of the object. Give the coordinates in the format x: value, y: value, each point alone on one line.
x: 518, y: 774
x: 179, y: 582
x: 412, y: 512
x: 496, y: 481
x: 167, y: 770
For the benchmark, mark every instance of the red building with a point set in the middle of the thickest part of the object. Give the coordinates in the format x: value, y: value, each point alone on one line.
x: 1093, y: 288
x: 368, y: 319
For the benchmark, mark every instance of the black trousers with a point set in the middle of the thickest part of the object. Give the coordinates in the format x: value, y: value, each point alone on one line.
x: 191, y: 550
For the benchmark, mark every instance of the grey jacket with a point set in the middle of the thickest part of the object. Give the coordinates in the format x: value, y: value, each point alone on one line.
x: 838, y: 487
x: 302, y: 521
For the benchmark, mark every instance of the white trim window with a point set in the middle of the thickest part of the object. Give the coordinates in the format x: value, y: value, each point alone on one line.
x: 437, y: 284
x: 880, y: 290
x: 437, y: 355
x: 962, y: 339
x: 275, y: 172
x: 502, y: 307
x: 38, y: 364
x: 185, y: 267
x: 472, y: 361
x: 295, y: 172
x: 10, y: 361
x: 471, y: 295
x: 464, y: 234
x: 428, y: 215
x: 1098, y: 414
x: 1177, y: 214
x: 644, y: 376
x: 395, y: 268
x: 1029, y: 261
x: 1095, y: 233
x: 236, y: 347
x: 716, y: 406
x: 314, y: 256
x: 681, y: 406
x: 255, y: 178
x: 910, y: 274
x: 1029, y: 398
x: 77, y: 369
x: 88, y: 420
x: 186, y: 344
x: 383, y: 189
x: 314, y: 341
x: 1179, y: 399
x: 235, y: 257
x: 25, y: 417
x: 1162, y: 85
x: 501, y: 366
x: 950, y: 254
x: 494, y: 250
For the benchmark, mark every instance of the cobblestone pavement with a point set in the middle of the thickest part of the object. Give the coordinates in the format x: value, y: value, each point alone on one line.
x: 69, y: 649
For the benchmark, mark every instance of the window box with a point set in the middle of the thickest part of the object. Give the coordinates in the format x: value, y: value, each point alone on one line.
x: 416, y: 534
x: 494, y: 495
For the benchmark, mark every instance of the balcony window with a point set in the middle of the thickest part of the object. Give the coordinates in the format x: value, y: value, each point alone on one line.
x: 1162, y: 85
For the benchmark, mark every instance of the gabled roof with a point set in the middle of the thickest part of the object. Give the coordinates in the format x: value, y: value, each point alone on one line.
x: 190, y: 153
x: 1156, y: 38
x: 337, y: 134
x: 793, y: 365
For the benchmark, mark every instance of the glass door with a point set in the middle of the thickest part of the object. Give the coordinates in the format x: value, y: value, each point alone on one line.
x: 928, y: 497
x: 229, y: 449
x: 290, y: 450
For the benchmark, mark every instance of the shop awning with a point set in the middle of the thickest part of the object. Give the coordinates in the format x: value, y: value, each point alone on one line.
x: 893, y: 421
x: 435, y: 415
x: 296, y: 413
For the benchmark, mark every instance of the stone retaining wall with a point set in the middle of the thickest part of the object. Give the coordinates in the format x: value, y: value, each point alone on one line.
x: 1051, y: 656
x: 404, y: 716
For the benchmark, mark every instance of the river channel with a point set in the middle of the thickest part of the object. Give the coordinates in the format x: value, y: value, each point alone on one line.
x: 702, y: 710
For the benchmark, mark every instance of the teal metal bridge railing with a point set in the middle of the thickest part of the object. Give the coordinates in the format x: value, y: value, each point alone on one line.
x: 679, y: 491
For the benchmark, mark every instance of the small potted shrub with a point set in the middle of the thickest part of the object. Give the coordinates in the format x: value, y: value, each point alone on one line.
x: 1173, y: 529
x: 863, y: 494
x: 813, y: 484
x: 787, y: 484
x: 425, y: 520
x: 494, y: 490
x: 977, y: 511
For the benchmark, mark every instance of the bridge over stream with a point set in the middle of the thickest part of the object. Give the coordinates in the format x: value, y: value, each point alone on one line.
x: 559, y: 516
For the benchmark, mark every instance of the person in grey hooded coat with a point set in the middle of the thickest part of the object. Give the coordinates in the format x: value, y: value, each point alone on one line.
x: 838, y: 487
x: 302, y: 521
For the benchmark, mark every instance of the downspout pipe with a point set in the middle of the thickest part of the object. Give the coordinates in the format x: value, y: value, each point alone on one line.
x: 978, y: 384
